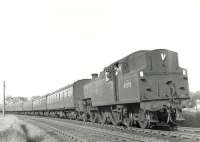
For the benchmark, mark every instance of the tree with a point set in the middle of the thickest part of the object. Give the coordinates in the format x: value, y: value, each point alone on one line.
x: 10, y: 99
x: 194, y: 96
x: 34, y: 97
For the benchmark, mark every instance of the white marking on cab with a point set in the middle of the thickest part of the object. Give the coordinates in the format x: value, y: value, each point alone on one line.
x: 163, y: 56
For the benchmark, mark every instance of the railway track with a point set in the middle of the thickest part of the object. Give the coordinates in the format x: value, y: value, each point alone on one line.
x: 189, y: 130
x: 74, y: 132
x: 160, y: 135
x: 118, y: 133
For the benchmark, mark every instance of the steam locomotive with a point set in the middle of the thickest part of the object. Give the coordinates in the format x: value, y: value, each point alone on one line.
x: 146, y: 89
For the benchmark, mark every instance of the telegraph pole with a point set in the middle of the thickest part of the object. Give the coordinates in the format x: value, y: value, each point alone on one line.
x: 4, y: 91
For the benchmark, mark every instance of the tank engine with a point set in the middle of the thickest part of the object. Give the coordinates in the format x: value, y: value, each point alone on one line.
x: 146, y: 88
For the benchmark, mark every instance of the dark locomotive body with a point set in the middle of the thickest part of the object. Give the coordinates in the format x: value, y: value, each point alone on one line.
x: 146, y: 88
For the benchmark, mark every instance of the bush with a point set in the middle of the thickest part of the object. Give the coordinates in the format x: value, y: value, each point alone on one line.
x: 192, y: 119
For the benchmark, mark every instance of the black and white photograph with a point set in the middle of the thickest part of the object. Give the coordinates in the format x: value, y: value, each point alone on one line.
x: 99, y: 71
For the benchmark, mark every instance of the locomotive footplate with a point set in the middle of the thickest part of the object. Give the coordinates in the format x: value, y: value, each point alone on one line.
x: 164, y: 126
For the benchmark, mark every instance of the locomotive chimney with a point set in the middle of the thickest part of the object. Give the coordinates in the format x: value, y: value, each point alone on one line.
x: 94, y: 76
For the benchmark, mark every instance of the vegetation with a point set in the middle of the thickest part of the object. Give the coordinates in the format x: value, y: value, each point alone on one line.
x: 194, y: 96
x: 10, y: 99
x: 34, y: 97
x: 192, y: 119
x: 191, y: 116
x: 15, y: 130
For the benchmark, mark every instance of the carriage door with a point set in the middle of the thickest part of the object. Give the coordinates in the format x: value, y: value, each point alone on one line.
x: 112, y: 74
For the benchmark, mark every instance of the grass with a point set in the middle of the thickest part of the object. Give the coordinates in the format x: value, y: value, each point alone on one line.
x: 14, y: 130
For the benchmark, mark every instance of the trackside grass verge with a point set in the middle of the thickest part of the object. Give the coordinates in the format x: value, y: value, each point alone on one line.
x: 14, y: 130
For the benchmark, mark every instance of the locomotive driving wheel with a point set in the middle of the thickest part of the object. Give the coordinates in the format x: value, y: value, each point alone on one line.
x: 143, y: 119
x: 95, y: 117
x: 116, y: 118
x: 127, y: 122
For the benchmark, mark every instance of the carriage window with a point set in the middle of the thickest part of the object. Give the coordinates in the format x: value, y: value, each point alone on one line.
x: 66, y: 94
x: 124, y: 67
x: 70, y: 93
x: 53, y: 98
x: 106, y: 76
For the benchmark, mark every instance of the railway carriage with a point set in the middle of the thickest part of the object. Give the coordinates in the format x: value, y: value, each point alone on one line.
x: 14, y: 107
x: 65, y: 101
x: 10, y: 107
x: 28, y: 106
x: 40, y: 105
x: 61, y: 98
x: 19, y: 106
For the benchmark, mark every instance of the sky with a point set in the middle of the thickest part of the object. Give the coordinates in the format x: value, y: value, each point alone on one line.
x: 47, y: 44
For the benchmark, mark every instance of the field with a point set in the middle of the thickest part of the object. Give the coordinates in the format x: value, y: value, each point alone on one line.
x: 14, y: 130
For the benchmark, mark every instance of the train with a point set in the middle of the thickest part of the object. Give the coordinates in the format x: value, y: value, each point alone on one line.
x: 146, y: 89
